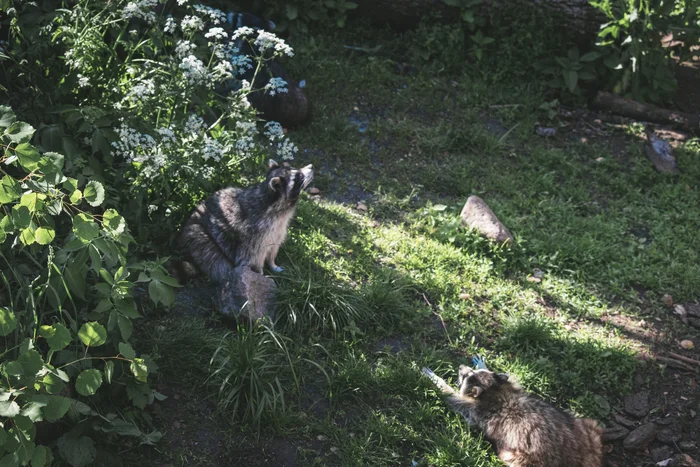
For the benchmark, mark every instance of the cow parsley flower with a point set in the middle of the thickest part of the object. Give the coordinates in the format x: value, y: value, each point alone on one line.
x: 141, y: 90
x: 286, y: 149
x: 214, y: 15
x: 194, y: 125
x: 274, y: 131
x: 275, y: 86
x: 242, y: 31
x: 184, y: 48
x: 191, y: 24
x: 170, y: 25
x: 267, y: 40
x: 212, y: 149
x: 181, y: 2
x: 216, y: 34
x: 222, y: 71
x: 194, y: 70
x: 83, y: 81
x: 241, y: 63
x: 140, y: 9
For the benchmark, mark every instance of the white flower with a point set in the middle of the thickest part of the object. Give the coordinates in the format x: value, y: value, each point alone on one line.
x: 216, y: 34
x: 286, y: 149
x: 241, y: 63
x: 274, y: 131
x: 222, y: 71
x: 194, y: 125
x: 276, y: 85
x: 170, y: 25
x: 194, y: 70
x: 215, y: 16
x: 167, y: 137
x: 184, y: 48
x: 141, y: 90
x: 248, y: 128
x: 140, y: 9
x: 267, y: 40
x: 212, y: 149
x: 243, y: 31
x: 83, y: 81
x: 181, y: 2
x: 191, y: 24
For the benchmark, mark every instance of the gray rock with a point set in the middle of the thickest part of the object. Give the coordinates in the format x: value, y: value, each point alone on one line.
x: 660, y: 153
x: 247, y: 294
x: 661, y: 453
x: 478, y: 216
x: 640, y: 437
x: 684, y: 460
x: 670, y: 430
x: 637, y: 404
x: 614, y: 433
x: 687, y: 446
x: 626, y: 422
x: 695, y: 322
x: 693, y: 309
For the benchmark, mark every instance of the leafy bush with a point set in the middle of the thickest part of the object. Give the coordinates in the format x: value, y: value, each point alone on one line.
x: 298, y: 14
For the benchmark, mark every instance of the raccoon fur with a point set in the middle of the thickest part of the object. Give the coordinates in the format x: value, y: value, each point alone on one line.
x: 241, y: 226
x: 524, y: 430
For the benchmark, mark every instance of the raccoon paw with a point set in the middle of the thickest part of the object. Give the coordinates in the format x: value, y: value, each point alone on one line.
x: 479, y: 363
x: 277, y: 269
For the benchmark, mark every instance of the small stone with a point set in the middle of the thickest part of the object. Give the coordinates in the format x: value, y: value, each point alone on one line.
x: 626, y: 422
x: 693, y: 413
x: 687, y: 445
x: 640, y: 437
x: 667, y: 300
x: 687, y: 344
x: 614, y: 433
x: 693, y: 310
x: 637, y: 404
x: 361, y: 207
x: 314, y: 191
x: 671, y: 430
x: 695, y: 322
x: 660, y: 153
x: 545, y: 132
x: 246, y: 293
x: 661, y: 453
x: 478, y: 216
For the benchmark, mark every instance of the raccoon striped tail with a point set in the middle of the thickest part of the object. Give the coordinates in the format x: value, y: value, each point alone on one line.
x: 181, y: 270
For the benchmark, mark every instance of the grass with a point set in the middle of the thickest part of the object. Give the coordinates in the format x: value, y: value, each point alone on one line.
x: 368, y: 298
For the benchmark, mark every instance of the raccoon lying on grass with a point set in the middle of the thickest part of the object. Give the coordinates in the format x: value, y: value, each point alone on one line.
x: 525, y: 431
x: 241, y: 226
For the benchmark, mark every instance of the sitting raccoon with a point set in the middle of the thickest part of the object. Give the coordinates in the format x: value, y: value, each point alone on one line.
x: 241, y: 226
x: 524, y: 430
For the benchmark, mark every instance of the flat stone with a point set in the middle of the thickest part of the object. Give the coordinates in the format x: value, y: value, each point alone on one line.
x: 246, y: 294
x: 661, y: 453
x: 478, y: 216
x: 670, y: 430
x: 614, y: 433
x: 687, y: 445
x: 626, y: 422
x: 637, y: 404
x: 640, y: 437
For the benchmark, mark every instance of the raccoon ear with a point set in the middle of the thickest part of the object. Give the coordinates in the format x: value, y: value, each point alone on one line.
x: 276, y: 183
x: 502, y: 377
x: 476, y: 391
x: 271, y: 164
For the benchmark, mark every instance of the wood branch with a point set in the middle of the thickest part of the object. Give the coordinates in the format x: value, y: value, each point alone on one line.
x: 675, y: 363
x: 645, y: 112
x: 685, y: 359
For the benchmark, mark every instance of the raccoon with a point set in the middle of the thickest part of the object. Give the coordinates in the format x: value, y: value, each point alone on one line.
x: 524, y: 430
x: 241, y: 226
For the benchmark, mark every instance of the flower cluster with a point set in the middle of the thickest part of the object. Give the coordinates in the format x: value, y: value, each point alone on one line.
x: 241, y: 32
x: 170, y: 25
x: 191, y: 24
x: 184, y: 48
x: 274, y: 131
x: 136, y: 147
x: 212, y: 149
x: 194, y: 70
x: 142, y: 90
x: 268, y: 41
x: 214, y: 15
x: 275, y: 86
x: 241, y: 63
x: 140, y: 9
x: 216, y: 34
x: 286, y: 149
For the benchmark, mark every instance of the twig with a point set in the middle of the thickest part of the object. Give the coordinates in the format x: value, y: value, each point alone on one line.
x: 685, y: 359
x: 674, y: 363
x: 439, y: 316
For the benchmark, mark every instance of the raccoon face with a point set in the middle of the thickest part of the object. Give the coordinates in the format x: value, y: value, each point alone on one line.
x: 473, y: 383
x: 288, y: 182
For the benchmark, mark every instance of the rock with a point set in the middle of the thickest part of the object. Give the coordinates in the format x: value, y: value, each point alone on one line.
x: 314, y: 191
x: 478, y: 216
x: 614, y: 433
x: 545, y: 131
x: 661, y: 454
x: 667, y: 300
x: 660, y: 153
x: 637, y: 404
x: 693, y: 310
x: 695, y: 322
x: 626, y: 422
x: 687, y: 344
x: 361, y: 207
x: 247, y: 294
x: 687, y: 445
x: 640, y: 437
x: 670, y: 430
x: 684, y: 460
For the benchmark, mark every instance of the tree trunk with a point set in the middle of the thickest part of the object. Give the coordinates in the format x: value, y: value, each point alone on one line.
x: 578, y: 16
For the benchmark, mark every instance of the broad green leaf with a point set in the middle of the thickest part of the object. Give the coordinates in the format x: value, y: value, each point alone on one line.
x: 32, y: 409
x: 9, y: 409
x: 8, y: 321
x: 27, y: 235
x: 3, y: 437
x: 94, y: 193
x: 56, y: 408
x: 14, y: 368
x: 24, y: 423
x: 3, y: 236
x: 78, y: 452
x: 161, y: 293
x: 92, y: 334
x: 57, y: 336
x: 53, y: 383
x: 590, y: 56
x: 571, y: 79
x: 126, y: 327
x: 126, y: 307
x: 28, y: 156
x: 76, y: 196
x: 109, y: 371
x: 7, y: 116
x: 95, y: 258
x: 44, y: 235
x: 9, y: 189
x: 85, y: 228
x: 161, y: 276
x: 42, y: 457
x: 33, y: 201
x: 127, y: 351
x: 139, y: 369
x: 54, y: 207
x: 31, y: 361
x: 21, y: 216
x: 113, y: 222
x: 75, y: 275
x: 88, y: 382
x: 20, y: 132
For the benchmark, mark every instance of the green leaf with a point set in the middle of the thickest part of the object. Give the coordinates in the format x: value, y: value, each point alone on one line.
x: 20, y: 132
x: 113, y: 222
x: 42, y: 457
x: 125, y: 327
x: 571, y: 79
x: 33, y: 408
x: 161, y: 276
x: 126, y: 307
x: 44, y: 235
x: 31, y: 361
x: 590, y: 56
x: 8, y: 321
x: 21, y: 216
x: 14, y: 369
x: 78, y: 452
x: 53, y: 383
x: 88, y: 382
x: 57, y: 336
x: 9, y: 189
x: 292, y: 12
x: 76, y: 196
x: 7, y: 116
x: 27, y: 235
x: 439, y: 207
x: 56, y: 408
x: 85, y: 228
x: 9, y: 409
x: 139, y: 369
x: 95, y: 258
x: 94, y: 193
x: 127, y: 351
x: 109, y: 371
x: 3, y: 437
x: 75, y: 275
x: 92, y: 334
x: 161, y: 293
x: 28, y: 156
